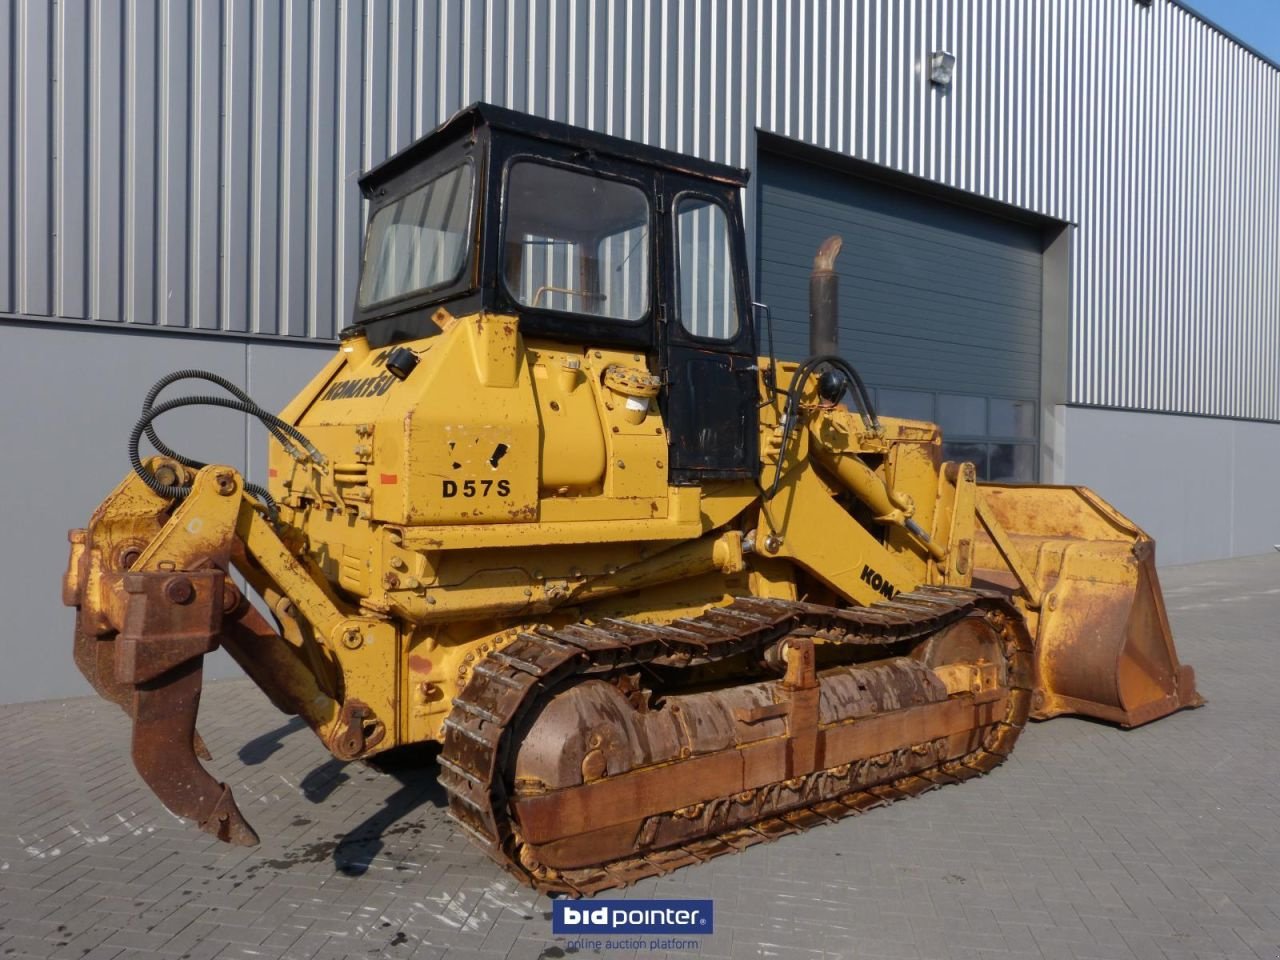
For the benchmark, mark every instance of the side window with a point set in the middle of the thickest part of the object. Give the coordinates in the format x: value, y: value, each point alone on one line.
x: 420, y: 241
x: 708, y: 300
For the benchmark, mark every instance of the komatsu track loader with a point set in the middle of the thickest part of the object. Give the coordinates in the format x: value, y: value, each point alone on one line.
x: 658, y: 595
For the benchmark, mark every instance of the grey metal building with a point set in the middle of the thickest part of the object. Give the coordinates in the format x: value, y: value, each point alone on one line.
x: 1068, y: 255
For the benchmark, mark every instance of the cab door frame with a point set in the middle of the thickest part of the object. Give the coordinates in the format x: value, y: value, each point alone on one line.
x: 710, y: 395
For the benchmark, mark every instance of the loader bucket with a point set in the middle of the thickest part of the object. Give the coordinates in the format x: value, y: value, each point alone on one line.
x: 1087, y: 577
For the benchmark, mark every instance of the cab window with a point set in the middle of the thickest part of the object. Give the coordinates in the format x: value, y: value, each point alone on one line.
x: 576, y: 243
x: 419, y: 242
x: 708, y: 299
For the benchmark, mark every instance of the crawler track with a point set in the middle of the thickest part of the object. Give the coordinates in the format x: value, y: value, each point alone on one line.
x: 510, y: 683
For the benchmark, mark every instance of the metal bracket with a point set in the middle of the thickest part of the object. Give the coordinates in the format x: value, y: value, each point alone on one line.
x: 1000, y: 537
x: 357, y: 731
x: 169, y: 618
x: 801, y: 685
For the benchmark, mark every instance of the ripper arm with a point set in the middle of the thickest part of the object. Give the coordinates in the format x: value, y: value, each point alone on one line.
x: 148, y: 614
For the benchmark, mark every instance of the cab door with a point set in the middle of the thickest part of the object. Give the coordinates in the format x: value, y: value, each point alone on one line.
x: 710, y: 391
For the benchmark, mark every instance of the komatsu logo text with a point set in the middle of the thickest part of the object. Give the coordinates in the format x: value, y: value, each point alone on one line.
x: 365, y: 387
x: 878, y: 583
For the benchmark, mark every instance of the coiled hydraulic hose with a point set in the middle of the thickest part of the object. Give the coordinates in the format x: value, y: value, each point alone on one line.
x: 149, y: 401
x: 854, y: 385
x: 282, y: 431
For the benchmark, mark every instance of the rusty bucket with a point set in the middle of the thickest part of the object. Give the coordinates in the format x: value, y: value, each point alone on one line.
x: 1086, y: 577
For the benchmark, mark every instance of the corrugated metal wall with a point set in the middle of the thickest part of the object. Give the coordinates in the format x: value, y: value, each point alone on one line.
x: 194, y: 164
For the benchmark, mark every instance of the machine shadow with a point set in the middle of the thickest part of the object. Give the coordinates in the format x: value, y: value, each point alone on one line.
x: 261, y: 747
x: 416, y: 768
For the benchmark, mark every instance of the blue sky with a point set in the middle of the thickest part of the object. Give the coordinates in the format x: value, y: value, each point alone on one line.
x: 1256, y: 22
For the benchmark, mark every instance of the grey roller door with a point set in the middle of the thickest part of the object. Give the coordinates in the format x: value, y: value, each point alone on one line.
x: 939, y: 304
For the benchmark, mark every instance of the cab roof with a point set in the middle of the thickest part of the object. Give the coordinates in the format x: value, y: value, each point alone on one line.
x: 469, y: 120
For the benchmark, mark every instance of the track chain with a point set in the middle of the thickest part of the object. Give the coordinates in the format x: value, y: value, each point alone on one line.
x: 508, y: 683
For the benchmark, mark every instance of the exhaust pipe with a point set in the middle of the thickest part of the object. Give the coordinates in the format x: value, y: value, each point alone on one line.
x: 824, y: 334
x: 824, y: 300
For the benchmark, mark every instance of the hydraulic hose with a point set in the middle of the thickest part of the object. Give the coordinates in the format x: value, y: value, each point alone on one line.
x: 289, y: 436
x: 855, y: 385
x: 279, y: 433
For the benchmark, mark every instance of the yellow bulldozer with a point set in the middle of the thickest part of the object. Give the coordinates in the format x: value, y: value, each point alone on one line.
x: 657, y: 595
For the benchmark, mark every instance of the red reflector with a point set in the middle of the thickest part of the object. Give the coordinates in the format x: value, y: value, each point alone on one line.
x: 389, y: 478
x: 273, y: 472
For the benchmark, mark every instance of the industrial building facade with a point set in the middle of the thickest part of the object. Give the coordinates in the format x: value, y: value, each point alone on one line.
x: 1061, y: 222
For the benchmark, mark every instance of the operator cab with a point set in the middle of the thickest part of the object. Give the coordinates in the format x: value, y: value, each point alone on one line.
x: 588, y: 239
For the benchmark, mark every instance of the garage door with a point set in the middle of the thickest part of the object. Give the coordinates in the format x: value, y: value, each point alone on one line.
x: 939, y: 304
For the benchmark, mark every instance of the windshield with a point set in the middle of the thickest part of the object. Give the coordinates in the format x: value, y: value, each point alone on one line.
x: 419, y: 242
x: 576, y: 242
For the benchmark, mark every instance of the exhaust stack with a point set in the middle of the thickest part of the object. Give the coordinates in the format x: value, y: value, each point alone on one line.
x: 824, y: 299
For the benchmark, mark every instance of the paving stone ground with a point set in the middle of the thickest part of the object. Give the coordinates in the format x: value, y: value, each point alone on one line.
x: 1161, y: 843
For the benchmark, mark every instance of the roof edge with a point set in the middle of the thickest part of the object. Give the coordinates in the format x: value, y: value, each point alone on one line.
x: 1185, y: 6
x: 480, y: 114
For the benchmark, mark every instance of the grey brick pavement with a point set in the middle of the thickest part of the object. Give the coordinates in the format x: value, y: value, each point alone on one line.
x: 1156, y: 844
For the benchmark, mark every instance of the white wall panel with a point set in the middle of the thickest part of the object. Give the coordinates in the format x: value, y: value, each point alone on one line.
x: 1138, y: 462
